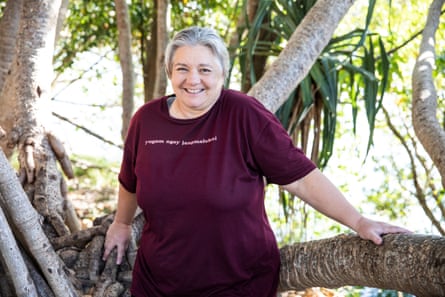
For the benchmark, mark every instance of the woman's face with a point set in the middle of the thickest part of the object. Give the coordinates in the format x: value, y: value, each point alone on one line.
x: 197, y: 79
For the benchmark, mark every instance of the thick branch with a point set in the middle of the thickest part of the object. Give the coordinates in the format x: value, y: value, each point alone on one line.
x: 26, y: 219
x: 13, y: 260
x: 304, y: 47
x: 425, y: 122
x: 405, y: 262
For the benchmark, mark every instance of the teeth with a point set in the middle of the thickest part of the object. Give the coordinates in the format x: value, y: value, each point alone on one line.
x: 194, y: 91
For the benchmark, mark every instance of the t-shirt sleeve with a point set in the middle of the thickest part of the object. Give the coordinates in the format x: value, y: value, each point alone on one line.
x: 277, y: 157
x: 127, y: 177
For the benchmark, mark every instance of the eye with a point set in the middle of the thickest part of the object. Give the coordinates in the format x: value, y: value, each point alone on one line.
x: 205, y: 70
x: 181, y: 69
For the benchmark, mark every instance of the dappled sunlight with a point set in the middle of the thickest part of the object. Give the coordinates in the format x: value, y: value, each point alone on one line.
x: 425, y: 94
x: 427, y: 57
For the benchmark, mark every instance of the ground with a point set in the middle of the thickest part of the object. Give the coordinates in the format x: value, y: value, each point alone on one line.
x: 90, y: 204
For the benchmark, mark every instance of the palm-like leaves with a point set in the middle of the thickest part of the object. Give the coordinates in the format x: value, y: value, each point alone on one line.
x: 351, y: 67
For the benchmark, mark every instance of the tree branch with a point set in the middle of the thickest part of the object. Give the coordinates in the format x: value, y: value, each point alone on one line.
x: 405, y: 262
x: 14, y: 263
x: 26, y: 220
x: 301, y: 52
x: 424, y: 98
x: 88, y: 131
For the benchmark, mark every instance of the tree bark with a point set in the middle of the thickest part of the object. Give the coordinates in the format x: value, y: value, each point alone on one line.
x: 149, y: 47
x: 161, y: 44
x: 405, y: 262
x: 424, y: 105
x: 38, y: 152
x: 14, y: 263
x: 26, y: 220
x: 303, y: 48
x: 9, y: 26
x: 61, y: 19
x: 125, y: 57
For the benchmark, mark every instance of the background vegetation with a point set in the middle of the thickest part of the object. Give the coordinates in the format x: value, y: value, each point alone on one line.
x: 372, y: 53
x: 360, y: 85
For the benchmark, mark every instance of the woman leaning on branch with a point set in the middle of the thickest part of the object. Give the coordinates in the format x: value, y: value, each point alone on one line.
x: 196, y: 162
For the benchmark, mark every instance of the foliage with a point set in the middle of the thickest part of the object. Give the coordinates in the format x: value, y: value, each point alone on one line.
x: 95, y: 173
x: 89, y: 25
x: 355, y: 63
x: 2, y: 6
x: 367, y: 56
x: 294, y: 221
x: 410, y: 177
x: 219, y: 14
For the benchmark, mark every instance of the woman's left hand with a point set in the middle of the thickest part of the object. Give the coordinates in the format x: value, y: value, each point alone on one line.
x: 373, y: 230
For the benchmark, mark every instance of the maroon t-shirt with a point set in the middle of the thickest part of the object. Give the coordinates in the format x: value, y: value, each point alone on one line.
x: 200, y: 183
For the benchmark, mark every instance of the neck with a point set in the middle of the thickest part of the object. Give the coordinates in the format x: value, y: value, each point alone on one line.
x: 178, y: 112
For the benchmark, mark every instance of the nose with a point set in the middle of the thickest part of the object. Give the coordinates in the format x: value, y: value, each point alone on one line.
x: 193, y: 77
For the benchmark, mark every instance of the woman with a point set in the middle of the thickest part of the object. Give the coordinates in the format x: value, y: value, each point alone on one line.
x: 196, y: 163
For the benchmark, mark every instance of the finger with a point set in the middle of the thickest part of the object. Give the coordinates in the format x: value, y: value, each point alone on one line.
x: 373, y: 236
x: 107, y: 250
x: 391, y: 229
x: 377, y: 239
x: 105, y: 254
x: 400, y: 230
x: 120, y: 255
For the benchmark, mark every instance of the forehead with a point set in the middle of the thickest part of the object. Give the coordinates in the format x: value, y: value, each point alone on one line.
x: 197, y: 54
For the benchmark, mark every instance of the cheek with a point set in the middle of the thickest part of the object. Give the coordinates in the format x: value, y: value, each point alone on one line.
x: 176, y: 80
x: 216, y: 81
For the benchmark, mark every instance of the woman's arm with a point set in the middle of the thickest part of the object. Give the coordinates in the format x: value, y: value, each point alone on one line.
x: 119, y: 232
x: 319, y: 192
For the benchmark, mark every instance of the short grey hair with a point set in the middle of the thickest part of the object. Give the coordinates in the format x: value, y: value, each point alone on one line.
x: 198, y: 36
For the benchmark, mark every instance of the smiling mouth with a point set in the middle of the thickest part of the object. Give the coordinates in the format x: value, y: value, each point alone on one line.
x: 194, y: 91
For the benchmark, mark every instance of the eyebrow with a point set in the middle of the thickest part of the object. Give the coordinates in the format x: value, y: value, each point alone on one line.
x: 187, y: 65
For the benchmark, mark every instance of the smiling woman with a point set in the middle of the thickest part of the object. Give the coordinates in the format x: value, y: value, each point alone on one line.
x: 197, y: 65
x: 197, y: 80
x: 206, y: 231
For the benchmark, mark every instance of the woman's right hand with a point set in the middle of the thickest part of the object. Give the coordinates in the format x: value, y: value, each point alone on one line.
x: 118, y: 236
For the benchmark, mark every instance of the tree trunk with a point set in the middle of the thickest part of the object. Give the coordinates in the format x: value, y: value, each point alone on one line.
x: 9, y: 27
x: 125, y: 57
x: 161, y: 44
x: 155, y: 78
x: 148, y: 55
x: 424, y: 105
x: 405, y: 262
x: 303, y: 48
x: 31, y: 74
x: 38, y: 149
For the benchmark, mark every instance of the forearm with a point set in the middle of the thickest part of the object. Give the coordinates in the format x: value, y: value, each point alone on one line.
x: 119, y: 232
x: 319, y: 192
x: 126, y: 206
